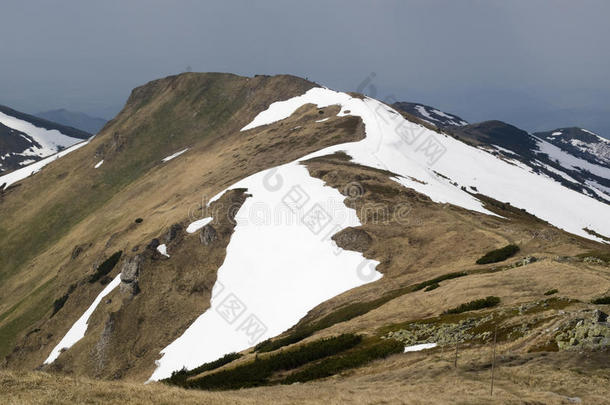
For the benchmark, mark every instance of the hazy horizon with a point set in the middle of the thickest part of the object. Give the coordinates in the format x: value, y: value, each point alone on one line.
x: 537, y: 64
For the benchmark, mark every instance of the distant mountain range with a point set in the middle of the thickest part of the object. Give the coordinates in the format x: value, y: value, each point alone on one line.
x: 577, y: 158
x: 74, y: 119
x: 26, y: 139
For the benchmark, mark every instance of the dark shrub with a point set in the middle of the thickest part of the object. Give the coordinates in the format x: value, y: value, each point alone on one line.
x: 432, y: 287
x: 179, y: 377
x: 353, y: 359
x: 487, y: 302
x: 498, y: 255
x: 602, y: 300
x: 139, y: 220
x: 106, y: 267
x: 60, y: 302
x: 551, y: 292
x: 438, y: 280
x: 257, y: 372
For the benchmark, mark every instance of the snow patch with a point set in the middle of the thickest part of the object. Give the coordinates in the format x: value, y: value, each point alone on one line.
x: 78, y: 330
x: 197, y: 225
x: 417, y: 348
x: 98, y: 164
x: 323, y: 119
x: 501, y: 149
x: 175, y: 155
x: 163, y: 250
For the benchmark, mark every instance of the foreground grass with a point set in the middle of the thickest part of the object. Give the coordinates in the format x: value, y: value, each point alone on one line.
x: 44, y: 388
x: 415, y: 378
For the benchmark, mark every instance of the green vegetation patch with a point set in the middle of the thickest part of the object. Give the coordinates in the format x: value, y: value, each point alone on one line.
x: 432, y: 287
x: 322, y: 358
x: 551, y: 292
x: 106, y: 267
x: 357, y: 357
x: 487, y: 302
x: 179, y: 377
x: 498, y: 255
x: 257, y: 372
x: 438, y: 280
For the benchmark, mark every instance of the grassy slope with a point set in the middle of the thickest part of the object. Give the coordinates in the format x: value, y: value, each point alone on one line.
x: 37, y: 217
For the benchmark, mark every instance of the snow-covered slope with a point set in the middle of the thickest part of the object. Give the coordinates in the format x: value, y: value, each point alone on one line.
x: 413, y: 151
x: 275, y: 271
x: 586, y: 173
x: 430, y: 114
x: 20, y: 174
x: 579, y: 142
x: 25, y: 139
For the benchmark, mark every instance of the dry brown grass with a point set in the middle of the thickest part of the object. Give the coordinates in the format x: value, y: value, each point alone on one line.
x: 412, y: 378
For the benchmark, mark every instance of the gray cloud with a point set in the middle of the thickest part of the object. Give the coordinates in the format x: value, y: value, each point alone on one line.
x: 537, y: 64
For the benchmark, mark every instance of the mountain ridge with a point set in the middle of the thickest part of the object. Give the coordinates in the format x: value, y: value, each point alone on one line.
x: 240, y: 146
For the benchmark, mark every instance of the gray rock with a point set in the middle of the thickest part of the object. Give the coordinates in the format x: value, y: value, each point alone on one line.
x: 593, y: 260
x: 599, y: 316
x: 208, y: 234
x: 130, y: 272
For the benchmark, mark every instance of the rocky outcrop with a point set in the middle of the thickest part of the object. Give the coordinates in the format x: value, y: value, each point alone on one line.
x: 587, y: 333
x: 175, y: 231
x: 441, y: 333
x: 208, y: 234
x: 593, y: 260
x: 355, y: 239
x: 130, y: 272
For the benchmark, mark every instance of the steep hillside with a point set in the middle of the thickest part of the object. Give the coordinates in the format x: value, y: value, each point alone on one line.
x: 313, y: 232
x: 25, y: 139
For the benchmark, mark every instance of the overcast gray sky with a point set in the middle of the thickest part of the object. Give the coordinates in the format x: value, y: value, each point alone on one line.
x: 536, y: 64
